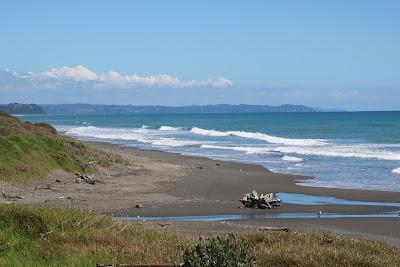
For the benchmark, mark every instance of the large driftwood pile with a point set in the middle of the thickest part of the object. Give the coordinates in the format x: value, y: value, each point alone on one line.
x: 253, y: 200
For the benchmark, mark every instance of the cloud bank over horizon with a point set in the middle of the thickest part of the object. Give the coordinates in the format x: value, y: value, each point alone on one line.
x: 82, y: 76
x: 81, y: 85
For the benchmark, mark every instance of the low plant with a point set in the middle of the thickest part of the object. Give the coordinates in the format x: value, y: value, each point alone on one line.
x: 218, y: 252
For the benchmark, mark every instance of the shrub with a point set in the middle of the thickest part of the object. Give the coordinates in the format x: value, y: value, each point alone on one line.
x: 218, y: 252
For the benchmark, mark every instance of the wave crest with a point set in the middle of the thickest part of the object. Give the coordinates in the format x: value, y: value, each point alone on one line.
x: 261, y: 136
x: 352, y: 151
x: 397, y: 170
x: 291, y: 158
x: 170, y: 128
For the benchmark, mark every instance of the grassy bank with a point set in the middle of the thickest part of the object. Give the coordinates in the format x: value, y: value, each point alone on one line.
x: 38, y: 236
x: 30, y: 151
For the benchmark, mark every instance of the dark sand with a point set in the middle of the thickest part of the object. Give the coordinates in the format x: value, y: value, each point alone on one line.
x: 168, y: 184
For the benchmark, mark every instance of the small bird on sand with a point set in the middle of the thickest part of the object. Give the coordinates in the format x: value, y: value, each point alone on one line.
x: 319, y: 213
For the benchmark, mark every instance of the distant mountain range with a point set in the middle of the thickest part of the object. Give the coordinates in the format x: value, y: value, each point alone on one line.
x: 17, y: 108
x: 88, y: 109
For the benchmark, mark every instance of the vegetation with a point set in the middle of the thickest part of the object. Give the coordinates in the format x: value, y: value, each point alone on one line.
x: 43, y: 236
x: 219, y: 252
x: 38, y: 236
x: 30, y: 151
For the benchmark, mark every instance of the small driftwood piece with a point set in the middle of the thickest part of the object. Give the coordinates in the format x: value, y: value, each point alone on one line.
x: 48, y: 186
x: 10, y: 197
x: 85, y: 178
x: 253, y: 200
x: 267, y: 228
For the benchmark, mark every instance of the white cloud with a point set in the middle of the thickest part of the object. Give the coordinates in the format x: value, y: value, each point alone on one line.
x: 78, y: 73
x: 115, y: 79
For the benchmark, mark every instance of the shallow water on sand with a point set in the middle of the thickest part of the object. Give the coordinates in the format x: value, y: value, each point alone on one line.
x: 302, y: 199
x: 232, y: 217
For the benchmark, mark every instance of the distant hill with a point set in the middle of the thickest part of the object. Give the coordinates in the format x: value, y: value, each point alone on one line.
x: 88, y: 109
x: 18, y: 108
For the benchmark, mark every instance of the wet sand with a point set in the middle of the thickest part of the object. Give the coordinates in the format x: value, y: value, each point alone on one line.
x: 214, y: 187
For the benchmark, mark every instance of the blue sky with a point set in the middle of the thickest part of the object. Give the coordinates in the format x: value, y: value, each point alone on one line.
x: 333, y: 54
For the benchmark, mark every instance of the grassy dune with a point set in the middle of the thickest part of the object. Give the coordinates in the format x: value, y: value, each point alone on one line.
x: 30, y: 151
x: 39, y: 236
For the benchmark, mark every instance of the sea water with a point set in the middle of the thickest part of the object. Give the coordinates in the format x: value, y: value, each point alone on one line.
x: 358, y: 150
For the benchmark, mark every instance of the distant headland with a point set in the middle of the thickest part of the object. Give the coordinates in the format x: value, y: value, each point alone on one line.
x: 19, y: 109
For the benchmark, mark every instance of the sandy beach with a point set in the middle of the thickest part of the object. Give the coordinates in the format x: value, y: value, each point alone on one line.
x: 167, y: 184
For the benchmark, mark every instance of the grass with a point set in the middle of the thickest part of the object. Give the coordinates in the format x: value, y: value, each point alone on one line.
x: 30, y: 151
x: 44, y: 236
x: 38, y: 236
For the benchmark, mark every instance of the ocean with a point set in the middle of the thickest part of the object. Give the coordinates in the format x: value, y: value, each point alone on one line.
x: 355, y: 150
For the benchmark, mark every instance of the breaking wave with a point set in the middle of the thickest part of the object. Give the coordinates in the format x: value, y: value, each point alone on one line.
x: 246, y: 149
x: 172, y: 142
x: 260, y: 136
x: 397, y: 170
x: 343, y: 151
x: 293, y: 159
x: 170, y: 128
x: 147, y: 127
x: 143, y: 135
x: 106, y: 133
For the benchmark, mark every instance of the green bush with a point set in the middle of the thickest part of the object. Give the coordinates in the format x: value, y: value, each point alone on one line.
x: 218, y: 252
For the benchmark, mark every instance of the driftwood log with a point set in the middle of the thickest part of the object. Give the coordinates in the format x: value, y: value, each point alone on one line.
x: 253, y: 200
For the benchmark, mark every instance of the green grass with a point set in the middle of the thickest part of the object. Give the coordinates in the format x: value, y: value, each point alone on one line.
x: 38, y: 236
x: 30, y: 151
x: 44, y: 236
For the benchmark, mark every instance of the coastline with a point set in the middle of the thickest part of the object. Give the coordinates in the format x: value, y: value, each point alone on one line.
x: 170, y: 184
x: 215, y: 189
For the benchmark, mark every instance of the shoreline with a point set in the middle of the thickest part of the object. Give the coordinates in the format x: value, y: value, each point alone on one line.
x: 199, y: 194
x: 288, y: 180
x: 213, y: 187
x: 171, y: 184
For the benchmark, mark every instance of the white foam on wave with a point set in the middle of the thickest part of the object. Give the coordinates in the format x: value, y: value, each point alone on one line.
x: 261, y: 136
x: 199, y: 131
x: 106, y: 133
x: 152, y: 136
x: 292, y: 159
x: 143, y: 135
x: 343, y: 151
x: 147, y: 127
x: 172, y: 142
x: 396, y: 171
x: 170, y: 128
x: 246, y: 149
